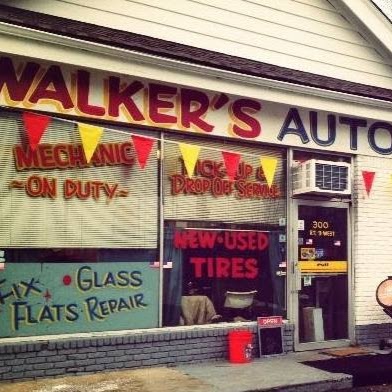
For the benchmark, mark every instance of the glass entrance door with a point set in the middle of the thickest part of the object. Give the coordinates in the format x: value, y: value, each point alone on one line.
x: 322, y: 272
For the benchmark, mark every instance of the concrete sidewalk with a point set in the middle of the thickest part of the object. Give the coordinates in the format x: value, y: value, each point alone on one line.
x: 283, y: 373
x: 280, y: 373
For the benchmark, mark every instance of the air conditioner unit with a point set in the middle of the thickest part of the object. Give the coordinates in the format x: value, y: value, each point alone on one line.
x: 321, y: 177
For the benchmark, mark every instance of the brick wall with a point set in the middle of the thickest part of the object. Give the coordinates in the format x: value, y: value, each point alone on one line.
x: 372, y: 260
x: 372, y: 334
x: 83, y: 355
x: 372, y: 256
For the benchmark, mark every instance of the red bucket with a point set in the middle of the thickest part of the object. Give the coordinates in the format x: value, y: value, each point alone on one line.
x: 240, y: 346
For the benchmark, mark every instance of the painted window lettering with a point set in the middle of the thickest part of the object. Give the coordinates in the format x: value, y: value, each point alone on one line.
x: 250, y: 182
x: 74, y: 297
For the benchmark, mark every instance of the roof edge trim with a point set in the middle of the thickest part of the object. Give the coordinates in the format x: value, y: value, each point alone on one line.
x: 136, y: 43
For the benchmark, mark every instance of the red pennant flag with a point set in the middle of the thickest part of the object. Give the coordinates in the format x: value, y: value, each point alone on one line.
x: 368, y: 178
x: 143, y: 147
x: 232, y: 160
x: 35, y: 126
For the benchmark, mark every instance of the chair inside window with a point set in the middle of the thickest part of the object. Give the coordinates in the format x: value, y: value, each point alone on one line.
x: 239, y: 304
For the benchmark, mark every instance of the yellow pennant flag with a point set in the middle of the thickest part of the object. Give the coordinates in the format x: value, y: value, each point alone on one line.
x: 189, y: 155
x: 269, y: 166
x: 90, y: 135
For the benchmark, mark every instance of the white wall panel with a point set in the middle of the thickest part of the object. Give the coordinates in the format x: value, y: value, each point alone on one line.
x: 307, y: 35
x: 373, y: 233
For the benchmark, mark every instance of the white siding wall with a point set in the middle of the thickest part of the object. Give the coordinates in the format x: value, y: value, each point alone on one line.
x: 373, y: 238
x: 308, y: 35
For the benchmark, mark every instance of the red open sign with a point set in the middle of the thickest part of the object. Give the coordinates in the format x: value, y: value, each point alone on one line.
x: 272, y: 321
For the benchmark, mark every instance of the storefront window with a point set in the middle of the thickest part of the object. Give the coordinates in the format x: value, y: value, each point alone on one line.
x: 224, y: 249
x: 79, y: 238
x: 223, y: 274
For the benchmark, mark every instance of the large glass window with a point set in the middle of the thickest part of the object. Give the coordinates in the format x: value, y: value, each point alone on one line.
x: 79, y: 239
x: 224, y: 248
x: 50, y: 197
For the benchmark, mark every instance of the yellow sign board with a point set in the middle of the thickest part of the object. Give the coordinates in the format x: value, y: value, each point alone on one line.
x: 335, y: 266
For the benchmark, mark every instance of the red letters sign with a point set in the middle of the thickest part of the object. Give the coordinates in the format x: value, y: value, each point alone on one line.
x: 209, y: 178
x: 222, y: 254
x: 270, y: 322
x: 75, y: 91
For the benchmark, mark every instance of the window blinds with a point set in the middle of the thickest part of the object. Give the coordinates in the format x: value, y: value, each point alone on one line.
x: 228, y: 208
x: 129, y: 221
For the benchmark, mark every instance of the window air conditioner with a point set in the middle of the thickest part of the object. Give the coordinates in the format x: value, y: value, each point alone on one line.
x: 321, y: 177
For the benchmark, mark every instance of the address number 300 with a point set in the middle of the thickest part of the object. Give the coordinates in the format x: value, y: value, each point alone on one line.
x: 320, y: 225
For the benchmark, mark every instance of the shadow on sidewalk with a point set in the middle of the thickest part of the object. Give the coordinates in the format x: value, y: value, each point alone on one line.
x: 366, y: 369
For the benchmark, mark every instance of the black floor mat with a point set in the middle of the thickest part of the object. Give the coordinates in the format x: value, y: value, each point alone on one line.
x: 365, y: 369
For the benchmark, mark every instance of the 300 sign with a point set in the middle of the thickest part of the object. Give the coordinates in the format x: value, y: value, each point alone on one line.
x: 320, y: 225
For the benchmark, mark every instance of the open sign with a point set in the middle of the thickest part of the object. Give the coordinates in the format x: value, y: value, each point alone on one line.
x: 272, y: 321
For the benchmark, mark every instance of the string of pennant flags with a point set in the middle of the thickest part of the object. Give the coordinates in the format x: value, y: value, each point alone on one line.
x: 36, y: 124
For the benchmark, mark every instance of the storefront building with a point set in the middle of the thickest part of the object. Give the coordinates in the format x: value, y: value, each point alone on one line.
x: 150, y: 204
